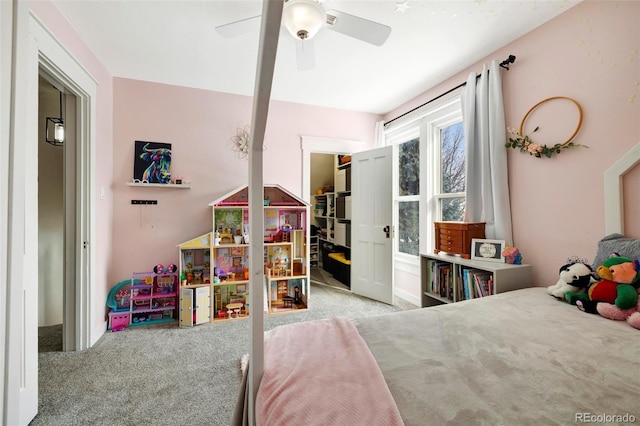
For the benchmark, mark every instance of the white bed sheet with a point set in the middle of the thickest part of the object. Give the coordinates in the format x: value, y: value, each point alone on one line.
x: 516, y: 358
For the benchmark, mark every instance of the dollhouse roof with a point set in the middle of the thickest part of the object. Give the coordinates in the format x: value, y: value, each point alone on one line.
x: 276, y: 194
x: 203, y: 241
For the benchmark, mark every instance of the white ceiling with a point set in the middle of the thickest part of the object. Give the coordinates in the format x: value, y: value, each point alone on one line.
x: 175, y: 42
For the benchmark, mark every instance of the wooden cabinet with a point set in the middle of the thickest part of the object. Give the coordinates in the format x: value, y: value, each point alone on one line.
x: 455, y: 237
x: 446, y: 279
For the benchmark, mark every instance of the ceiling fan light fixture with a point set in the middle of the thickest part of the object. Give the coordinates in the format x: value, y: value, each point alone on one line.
x: 303, y: 18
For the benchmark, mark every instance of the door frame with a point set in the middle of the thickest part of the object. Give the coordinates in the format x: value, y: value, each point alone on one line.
x: 320, y: 145
x: 55, y: 61
x: 29, y: 47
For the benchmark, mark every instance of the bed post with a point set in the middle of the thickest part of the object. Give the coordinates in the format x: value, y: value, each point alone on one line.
x: 613, y: 197
x: 269, y: 32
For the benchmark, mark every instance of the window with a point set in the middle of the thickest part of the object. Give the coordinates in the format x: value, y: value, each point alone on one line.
x: 408, y: 165
x: 429, y: 175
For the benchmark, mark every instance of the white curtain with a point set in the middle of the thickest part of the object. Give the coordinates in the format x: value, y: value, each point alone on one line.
x: 379, y: 135
x: 487, y: 187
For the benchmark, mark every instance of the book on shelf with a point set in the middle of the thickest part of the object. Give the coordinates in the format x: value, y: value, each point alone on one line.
x: 476, y: 283
x: 441, y: 279
x: 482, y: 283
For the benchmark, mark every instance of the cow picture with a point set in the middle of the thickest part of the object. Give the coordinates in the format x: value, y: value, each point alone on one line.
x: 152, y: 162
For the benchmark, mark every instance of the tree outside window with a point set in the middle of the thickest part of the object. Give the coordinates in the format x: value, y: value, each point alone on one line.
x: 408, y: 193
x: 452, y: 176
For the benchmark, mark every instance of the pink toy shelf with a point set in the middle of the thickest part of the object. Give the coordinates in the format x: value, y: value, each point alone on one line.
x: 153, y: 297
x: 146, y: 298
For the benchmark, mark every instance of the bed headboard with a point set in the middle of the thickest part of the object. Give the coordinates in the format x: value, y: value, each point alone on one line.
x: 613, y: 197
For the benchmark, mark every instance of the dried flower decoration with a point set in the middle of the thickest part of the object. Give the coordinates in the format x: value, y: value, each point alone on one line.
x: 241, y: 142
x: 525, y: 144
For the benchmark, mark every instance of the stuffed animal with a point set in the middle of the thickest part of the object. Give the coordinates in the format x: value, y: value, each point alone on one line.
x: 619, y: 278
x: 575, y: 276
x: 610, y: 311
x: 634, y: 320
x: 512, y: 256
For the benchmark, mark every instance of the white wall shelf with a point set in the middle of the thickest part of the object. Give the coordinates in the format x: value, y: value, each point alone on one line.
x: 161, y: 185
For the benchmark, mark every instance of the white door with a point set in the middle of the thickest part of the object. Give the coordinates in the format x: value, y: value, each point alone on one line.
x: 186, y: 307
x: 371, y: 224
x: 203, y: 308
x: 19, y: 284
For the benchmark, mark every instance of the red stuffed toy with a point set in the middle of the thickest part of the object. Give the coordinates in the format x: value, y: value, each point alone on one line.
x: 619, y: 277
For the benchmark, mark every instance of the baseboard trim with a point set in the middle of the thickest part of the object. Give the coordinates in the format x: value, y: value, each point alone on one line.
x: 407, y: 297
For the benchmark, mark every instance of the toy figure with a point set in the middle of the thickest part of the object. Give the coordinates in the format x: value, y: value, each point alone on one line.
x: 618, y: 286
x: 575, y: 276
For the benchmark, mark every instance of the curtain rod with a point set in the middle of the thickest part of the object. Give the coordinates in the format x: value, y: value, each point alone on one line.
x: 504, y: 64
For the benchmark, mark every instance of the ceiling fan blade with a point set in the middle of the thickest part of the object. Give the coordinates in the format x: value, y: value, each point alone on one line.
x: 305, y: 54
x: 356, y: 27
x: 243, y: 26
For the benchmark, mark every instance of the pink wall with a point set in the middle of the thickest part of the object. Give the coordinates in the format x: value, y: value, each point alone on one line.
x: 591, y: 53
x: 199, y: 124
x: 48, y: 14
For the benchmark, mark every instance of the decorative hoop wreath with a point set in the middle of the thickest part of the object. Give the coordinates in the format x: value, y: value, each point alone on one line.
x: 525, y: 144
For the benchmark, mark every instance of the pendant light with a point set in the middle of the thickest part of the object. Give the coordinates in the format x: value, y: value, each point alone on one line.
x: 55, y: 126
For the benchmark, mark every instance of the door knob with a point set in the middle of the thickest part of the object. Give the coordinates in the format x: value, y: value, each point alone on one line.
x: 386, y: 230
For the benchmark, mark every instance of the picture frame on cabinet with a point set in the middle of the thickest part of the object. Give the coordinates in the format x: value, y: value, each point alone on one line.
x: 487, y: 250
x: 236, y: 251
x: 241, y: 288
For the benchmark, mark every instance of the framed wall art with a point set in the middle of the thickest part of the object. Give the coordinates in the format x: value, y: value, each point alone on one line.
x: 152, y: 162
x: 489, y: 250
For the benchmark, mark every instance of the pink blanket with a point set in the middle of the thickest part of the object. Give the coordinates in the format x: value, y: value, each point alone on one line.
x: 322, y: 373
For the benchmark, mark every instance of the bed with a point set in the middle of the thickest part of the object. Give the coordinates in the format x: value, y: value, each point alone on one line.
x: 520, y: 357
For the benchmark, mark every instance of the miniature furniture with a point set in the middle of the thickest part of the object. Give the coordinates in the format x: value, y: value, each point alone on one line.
x: 195, y: 305
x: 226, y: 235
x: 119, y: 320
x: 234, y: 308
x: 288, y: 301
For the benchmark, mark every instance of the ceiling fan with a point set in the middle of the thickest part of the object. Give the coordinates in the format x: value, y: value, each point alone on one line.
x: 304, y: 18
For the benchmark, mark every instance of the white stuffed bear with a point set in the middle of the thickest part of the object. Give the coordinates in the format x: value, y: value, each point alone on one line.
x: 574, y: 276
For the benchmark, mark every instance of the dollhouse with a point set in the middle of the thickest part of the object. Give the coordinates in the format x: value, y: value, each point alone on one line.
x: 214, y: 268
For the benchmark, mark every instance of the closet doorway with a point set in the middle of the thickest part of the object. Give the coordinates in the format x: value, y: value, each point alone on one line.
x: 319, y: 172
x: 56, y: 216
